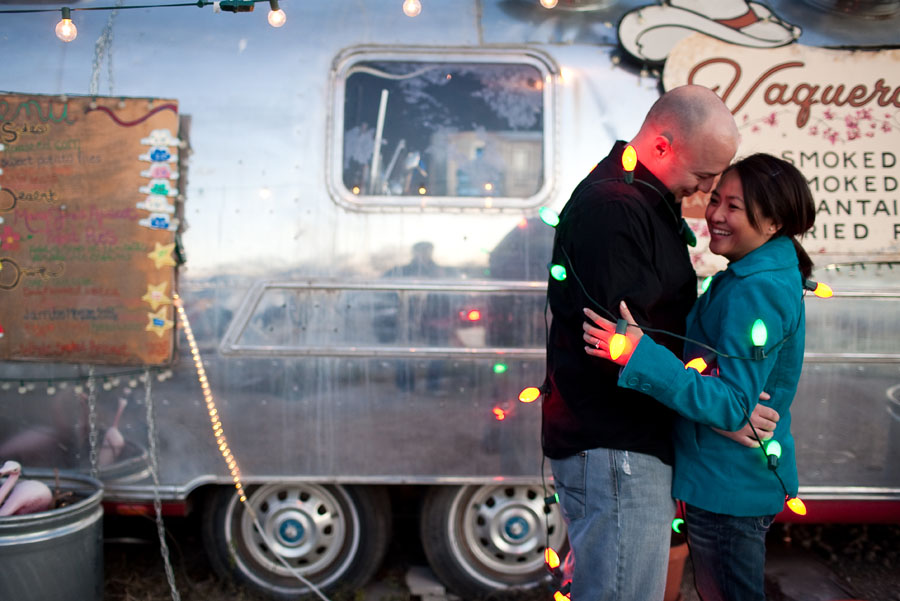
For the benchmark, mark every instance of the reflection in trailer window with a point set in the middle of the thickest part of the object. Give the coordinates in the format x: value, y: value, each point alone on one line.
x: 435, y: 133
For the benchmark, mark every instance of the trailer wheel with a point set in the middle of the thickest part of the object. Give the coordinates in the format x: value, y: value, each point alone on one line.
x: 332, y: 535
x: 479, y: 539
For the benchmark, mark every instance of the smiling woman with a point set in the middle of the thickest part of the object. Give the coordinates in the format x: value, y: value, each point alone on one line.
x: 732, y: 234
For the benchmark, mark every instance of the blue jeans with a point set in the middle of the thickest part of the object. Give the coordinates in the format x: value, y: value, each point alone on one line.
x: 728, y: 553
x: 618, y: 509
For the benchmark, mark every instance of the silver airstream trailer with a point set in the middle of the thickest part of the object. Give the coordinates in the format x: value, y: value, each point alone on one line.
x: 363, y: 269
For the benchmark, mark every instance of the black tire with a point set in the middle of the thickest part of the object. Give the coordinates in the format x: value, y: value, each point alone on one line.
x: 480, y: 539
x: 334, y: 536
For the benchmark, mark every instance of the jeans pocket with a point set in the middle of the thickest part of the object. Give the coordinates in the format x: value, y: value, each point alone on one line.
x: 764, y: 522
x: 569, y: 476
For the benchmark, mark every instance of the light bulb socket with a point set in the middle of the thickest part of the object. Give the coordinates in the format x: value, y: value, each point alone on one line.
x: 66, y: 13
x: 759, y: 353
x: 237, y: 6
x: 273, y: 4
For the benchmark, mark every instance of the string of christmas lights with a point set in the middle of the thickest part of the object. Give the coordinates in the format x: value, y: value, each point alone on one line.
x: 222, y: 442
x: 67, y: 31
x: 110, y: 380
x: 215, y: 422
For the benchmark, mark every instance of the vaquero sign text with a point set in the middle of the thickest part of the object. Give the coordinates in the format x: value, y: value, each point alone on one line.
x: 835, y: 114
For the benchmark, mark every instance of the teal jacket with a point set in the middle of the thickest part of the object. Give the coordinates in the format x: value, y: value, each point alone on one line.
x: 713, y: 472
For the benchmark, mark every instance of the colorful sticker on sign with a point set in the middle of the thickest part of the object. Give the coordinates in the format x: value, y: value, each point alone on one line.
x: 162, y: 255
x: 158, y: 322
x: 160, y: 137
x: 156, y: 295
x: 160, y: 221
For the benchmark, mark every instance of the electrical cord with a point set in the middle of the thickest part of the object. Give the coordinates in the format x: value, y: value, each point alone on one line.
x: 667, y: 332
x: 697, y: 342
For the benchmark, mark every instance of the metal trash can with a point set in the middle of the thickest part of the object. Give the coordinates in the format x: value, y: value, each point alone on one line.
x: 55, y: 554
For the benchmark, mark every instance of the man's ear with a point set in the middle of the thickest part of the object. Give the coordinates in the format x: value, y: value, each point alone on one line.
x: 661, y: 146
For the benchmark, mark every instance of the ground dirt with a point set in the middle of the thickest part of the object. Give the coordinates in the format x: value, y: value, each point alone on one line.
x: 861, y: 561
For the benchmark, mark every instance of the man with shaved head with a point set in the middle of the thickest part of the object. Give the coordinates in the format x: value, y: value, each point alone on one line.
x: 610, y: 448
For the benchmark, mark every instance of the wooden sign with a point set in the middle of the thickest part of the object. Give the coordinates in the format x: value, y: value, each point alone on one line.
x: 88, y: 190
x: 835, y: 114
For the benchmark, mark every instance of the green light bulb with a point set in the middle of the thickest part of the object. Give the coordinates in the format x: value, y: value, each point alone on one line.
x: 758, y: 333
x: 705, y: 284
x: 557, y: 272
x: 677, y: 523
x: 500, y: 368
x: 549, y: 216
x: 773, y: 447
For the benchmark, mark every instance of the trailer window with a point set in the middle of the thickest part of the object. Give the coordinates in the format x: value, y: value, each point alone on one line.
x: 436, y: 134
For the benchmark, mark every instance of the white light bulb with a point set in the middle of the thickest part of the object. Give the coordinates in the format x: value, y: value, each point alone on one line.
x: 277, y: 18
x: 412, y: 8
x: 65, y: 29
x: 548, y: 3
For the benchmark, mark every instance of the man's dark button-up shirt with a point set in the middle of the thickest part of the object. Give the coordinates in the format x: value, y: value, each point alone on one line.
x: 617, y: 241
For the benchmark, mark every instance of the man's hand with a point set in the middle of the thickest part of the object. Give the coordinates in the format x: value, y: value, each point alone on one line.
x: 763, y: 418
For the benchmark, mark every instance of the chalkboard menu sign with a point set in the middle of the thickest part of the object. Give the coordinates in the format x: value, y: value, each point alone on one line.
x: 88, y: 190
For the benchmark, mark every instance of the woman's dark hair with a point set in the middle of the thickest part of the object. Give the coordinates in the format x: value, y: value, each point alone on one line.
x: 775, y: 189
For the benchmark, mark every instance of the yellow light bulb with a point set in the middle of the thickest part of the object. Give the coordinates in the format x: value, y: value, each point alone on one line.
x: 549, y: 3
x: 616, y: 346
x: 797, y: 506
x: 617, y: 342
x: 629, y: 158
x: 823, y: 291
x: 551, y: 558
x: 530, y: 394
x: 696, y: 363
x: 629, y: 162
x: 65, y: 29
x: 276, y: 15
x: 412, y: 8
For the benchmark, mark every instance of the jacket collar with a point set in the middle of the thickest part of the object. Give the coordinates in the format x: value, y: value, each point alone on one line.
x: 777, y: 253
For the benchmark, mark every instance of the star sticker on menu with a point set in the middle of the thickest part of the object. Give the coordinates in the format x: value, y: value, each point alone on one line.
x: 156, y: 296
x: 158, y: 323
x: 162, y: 255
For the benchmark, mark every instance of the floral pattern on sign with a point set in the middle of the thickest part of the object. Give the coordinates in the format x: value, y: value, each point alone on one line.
x: 833, y: 126
x: 9, y: 241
